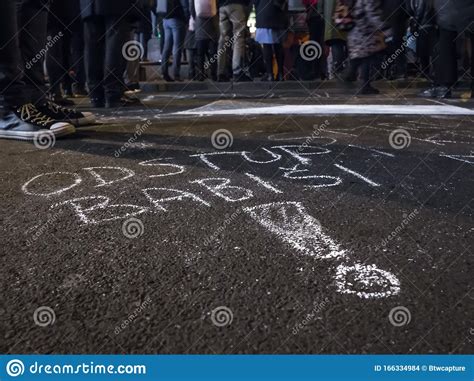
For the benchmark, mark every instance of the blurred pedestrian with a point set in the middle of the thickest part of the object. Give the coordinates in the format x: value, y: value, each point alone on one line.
x: 272, y: 23
x: 206, y: 27
x: 63, y: 22
x: 191, y: 47
x: 315, y: 23
x: 175, y: 23
x: 365, y: 41
x: 334, y: 38
x: 452, y: 17
x: 233, y: 16
x: 106, y: 30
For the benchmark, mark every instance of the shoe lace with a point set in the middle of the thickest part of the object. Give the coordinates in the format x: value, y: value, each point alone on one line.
x: 58, y: 108
x: 29, y: 113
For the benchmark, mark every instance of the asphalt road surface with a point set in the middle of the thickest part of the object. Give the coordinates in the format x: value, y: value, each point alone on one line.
x: 227, y: 230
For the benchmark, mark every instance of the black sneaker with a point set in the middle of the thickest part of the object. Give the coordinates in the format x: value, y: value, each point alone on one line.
x: 60, y: 100
x: 428, y: 93
x: 28, y: 123
x: 369, y: 90
x: 124, y: 101
x: 64, y: 114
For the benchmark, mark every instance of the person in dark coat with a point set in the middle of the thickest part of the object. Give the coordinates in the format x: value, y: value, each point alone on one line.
x: 272, y: 24
x: 206, y: 34
x: 366, y: 40
x: 106, y: 30
x: 452, y: 17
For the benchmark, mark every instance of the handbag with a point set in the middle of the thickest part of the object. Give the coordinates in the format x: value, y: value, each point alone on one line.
x: 205, y: 8
x: 343, y: 19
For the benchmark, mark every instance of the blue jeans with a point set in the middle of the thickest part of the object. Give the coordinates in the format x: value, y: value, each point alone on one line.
x: 175, y: 30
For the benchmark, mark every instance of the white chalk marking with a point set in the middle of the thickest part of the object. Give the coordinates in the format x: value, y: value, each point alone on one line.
x: 243, y: 154
x: 289, y: 174
x: 228, y: 192
x: 463, y: 158
x: 336, y: 109
x: 179, y: 168
x: 181, y: 195
x: 263, y: 183
x: 290, y: 222
x: 103, y: 205
x: 103, y: 182
x: 372, y: 150
x: 76, y: 182
x: 275, y: 157
x: 298, y: 155
x: 366, y: 281
x: 358, y: 175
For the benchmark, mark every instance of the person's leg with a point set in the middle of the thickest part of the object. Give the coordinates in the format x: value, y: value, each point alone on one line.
x: 338, y: 55
x: 117, y: 32
x: 167, y: 48
x: 212, y: 50
x: 94, y: 58
x: 446, y: 65
x: 224, y: 40
x: 268, y: 60
x: 19, y: 118
x: 471, y: 37
x: 201, y: 56
x: 32, y: 26
x: 77, y: 57
x: 238, y: 18
x: 279, y: 56
x: 179, y: 31
x: 12, y: 86
x: 192, y: 58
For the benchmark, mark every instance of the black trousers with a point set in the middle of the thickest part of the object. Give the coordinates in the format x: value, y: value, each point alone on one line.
x: 316, y: 27
x: 206, y: 48
x: 104, y: 38
x: 23, y: 46
x: 446, y: 62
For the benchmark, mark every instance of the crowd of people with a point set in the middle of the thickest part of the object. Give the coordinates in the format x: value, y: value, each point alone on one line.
x: 54, y: 50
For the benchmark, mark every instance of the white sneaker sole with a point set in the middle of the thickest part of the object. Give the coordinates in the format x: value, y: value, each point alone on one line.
x: 87, y: 119
x: 58, y: 130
